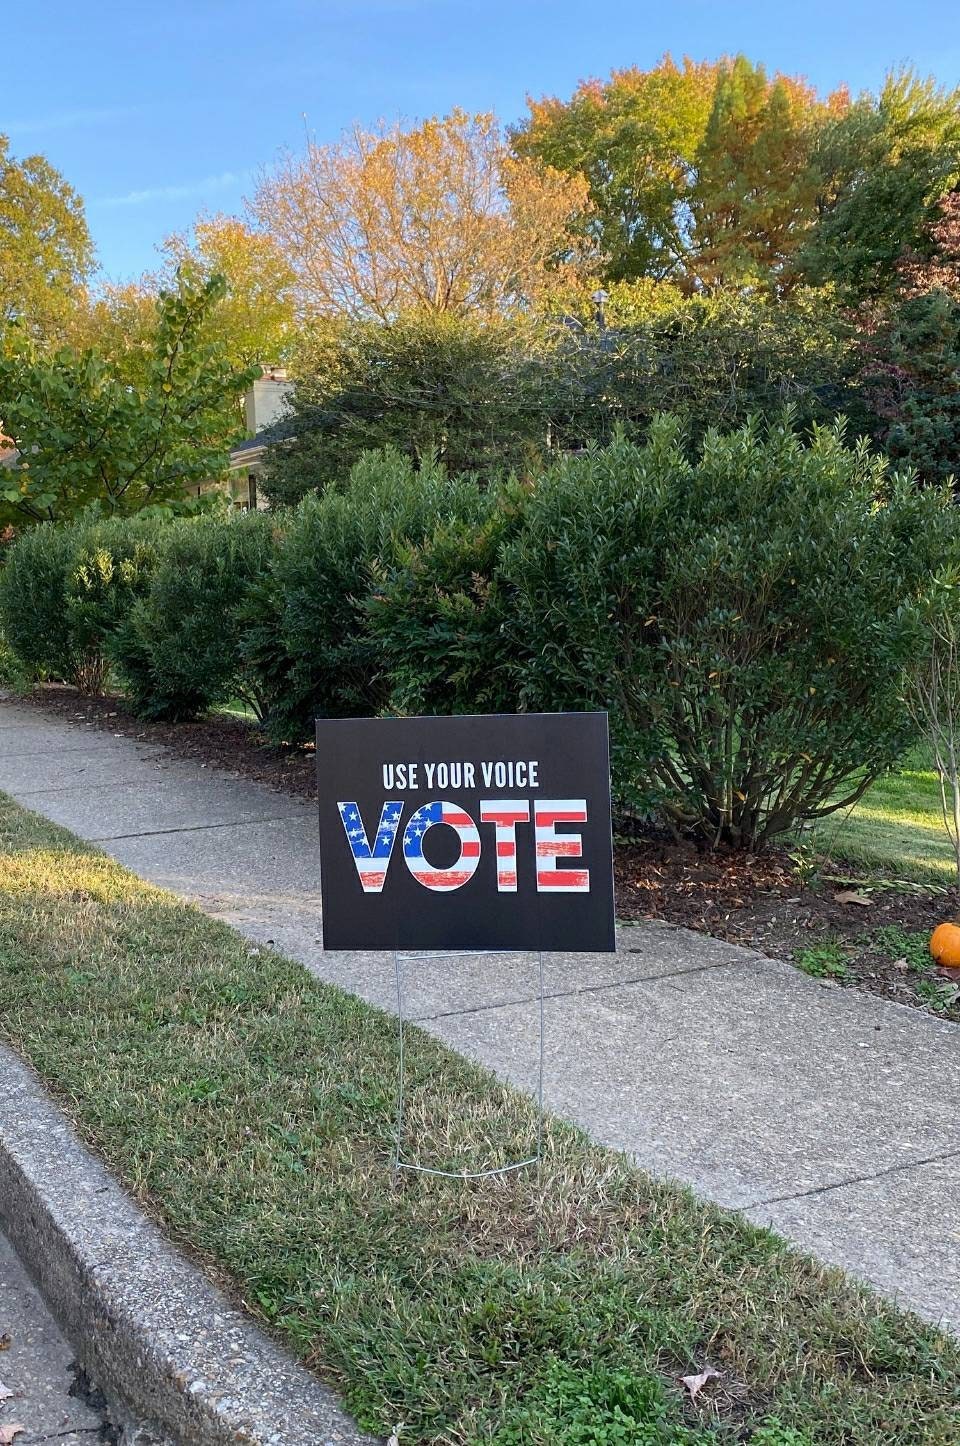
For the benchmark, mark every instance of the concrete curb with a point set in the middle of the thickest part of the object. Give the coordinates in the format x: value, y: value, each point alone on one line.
x: 159, y: 1340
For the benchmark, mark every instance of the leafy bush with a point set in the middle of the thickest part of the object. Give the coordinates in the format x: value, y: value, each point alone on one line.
x: 13, y: 673
x: 474, y: 394
x: 33, y: 599
x: 65, y: 589
x: 111, y: 570
x: 179, y: 651
x: 745, y: 616
x: 308, y: 638
x: 745, y: 611
x: 437, y: 615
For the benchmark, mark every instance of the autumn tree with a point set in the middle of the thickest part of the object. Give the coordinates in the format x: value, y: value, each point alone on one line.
x: 441, y: 218
x: 255, y: 321
x: 698, y: 173
x: 119, y: 321
x: 87, y: 436
x: 755, y: 192
x: 936, y: 267
x: 46, y: 255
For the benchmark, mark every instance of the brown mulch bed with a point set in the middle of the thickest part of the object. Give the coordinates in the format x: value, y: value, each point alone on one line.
x: 746, y: 899
x: 757, y: 901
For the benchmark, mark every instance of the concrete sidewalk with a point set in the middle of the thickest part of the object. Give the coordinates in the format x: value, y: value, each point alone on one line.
x: 828, y: 1114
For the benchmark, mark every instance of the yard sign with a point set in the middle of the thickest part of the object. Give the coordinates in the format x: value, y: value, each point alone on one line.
x: 470, y: 832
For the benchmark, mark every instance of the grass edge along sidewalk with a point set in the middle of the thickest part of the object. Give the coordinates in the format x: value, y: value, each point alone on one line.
x: 250, y: 1109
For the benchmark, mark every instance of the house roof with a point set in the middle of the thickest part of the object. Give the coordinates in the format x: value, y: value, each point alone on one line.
x: 250, y: 450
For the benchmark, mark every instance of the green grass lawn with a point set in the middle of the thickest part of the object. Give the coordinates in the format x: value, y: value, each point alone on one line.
x: 896, y: 829
x: 252, y: 1108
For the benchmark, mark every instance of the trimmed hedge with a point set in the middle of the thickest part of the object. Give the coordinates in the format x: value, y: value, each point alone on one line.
x: 66, y: 589
x: 745, y: 616
x: 308, y: 635
x: 179, y: 651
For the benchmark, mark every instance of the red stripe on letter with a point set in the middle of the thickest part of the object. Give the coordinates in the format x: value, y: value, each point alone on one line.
x: 550, y: 847
x: 505, y: 814
x: 563, y: 881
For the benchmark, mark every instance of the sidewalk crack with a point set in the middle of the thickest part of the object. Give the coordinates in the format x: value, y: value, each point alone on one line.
x: 897, y: 1169
x: 189, y: 828
x: 575, y: 993
x: 59, y: 1435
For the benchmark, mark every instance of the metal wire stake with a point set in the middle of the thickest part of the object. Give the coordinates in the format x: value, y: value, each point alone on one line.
x: 401, y: 1164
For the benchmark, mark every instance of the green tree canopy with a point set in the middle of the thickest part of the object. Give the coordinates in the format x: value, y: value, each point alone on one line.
x: 88, y: 436
x: 476, y: 395
x: 883, y: 167
x: 46, y: 255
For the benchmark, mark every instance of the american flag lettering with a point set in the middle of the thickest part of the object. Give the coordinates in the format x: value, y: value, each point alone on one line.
x: 419, y: 824
x: 372, y: 860
x: 550, y: 846
x: 505, y: 814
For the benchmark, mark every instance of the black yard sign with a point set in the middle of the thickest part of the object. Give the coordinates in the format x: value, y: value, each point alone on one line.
x: 485, y: 832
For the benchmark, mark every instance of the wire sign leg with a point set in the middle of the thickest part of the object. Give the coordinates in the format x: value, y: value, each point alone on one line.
x: 402, y: 959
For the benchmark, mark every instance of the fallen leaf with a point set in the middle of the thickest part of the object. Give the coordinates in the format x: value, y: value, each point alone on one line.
x: 695, y: 1384
x: 7, y: 1433
x: 901, y: 964
x: 852, y: 896
x: 5, y: 1341
x: 5, y: 1392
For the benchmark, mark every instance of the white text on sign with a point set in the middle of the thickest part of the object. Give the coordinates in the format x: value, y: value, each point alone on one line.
x: 460, y: 773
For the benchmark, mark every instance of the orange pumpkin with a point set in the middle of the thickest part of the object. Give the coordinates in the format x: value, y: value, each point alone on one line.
x: 945, y: 945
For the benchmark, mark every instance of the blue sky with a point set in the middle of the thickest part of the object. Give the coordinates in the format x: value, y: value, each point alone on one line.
x: 154, y: 111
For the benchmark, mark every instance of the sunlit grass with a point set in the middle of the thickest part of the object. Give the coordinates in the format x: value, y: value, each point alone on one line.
x: 896, y: 829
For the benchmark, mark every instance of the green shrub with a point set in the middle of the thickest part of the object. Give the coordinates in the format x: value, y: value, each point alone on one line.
x: 13, y: 673
x: 745, y: 616
x: 477, y: 394
x: 179, y: 650
x: 308, y: 637
x: 112, y: 568
x: 33, y: 599
x: 911, y: 385
x: 437, y: 615
x: 65, y: 590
